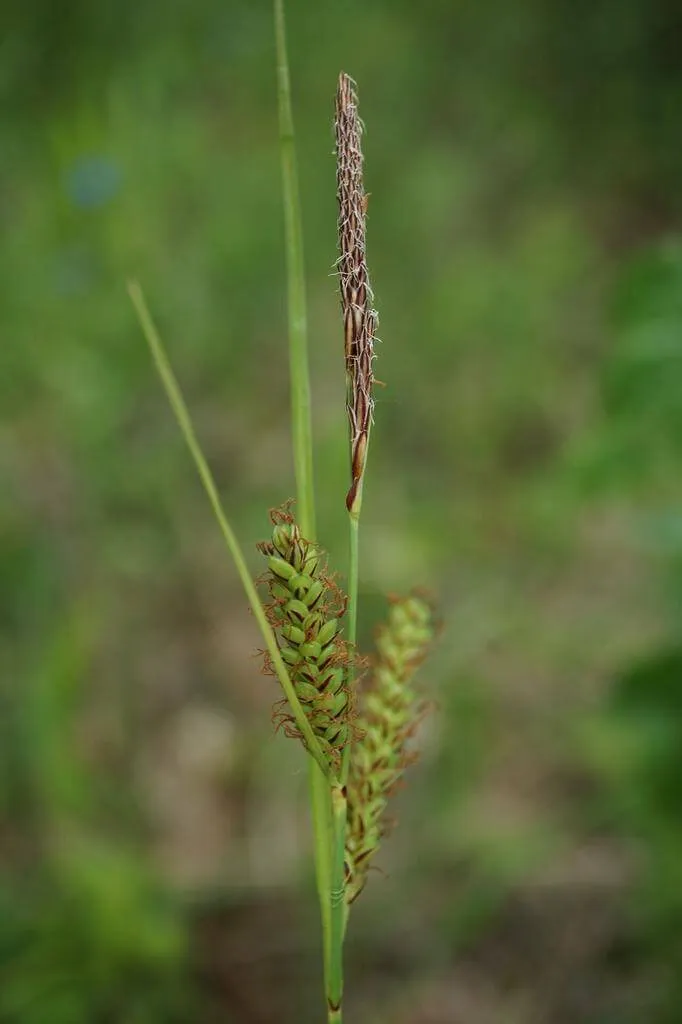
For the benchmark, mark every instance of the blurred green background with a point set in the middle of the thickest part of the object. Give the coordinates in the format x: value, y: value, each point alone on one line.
x: 525, y: 167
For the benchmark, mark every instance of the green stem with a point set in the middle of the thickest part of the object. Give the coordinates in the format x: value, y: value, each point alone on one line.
x: 185, y: 423
x: 339, y: 909
x: 301, y: 427
x: 338, y: 901
x: 320, y: 812
x: 296, y: 297
x: 353, y: 573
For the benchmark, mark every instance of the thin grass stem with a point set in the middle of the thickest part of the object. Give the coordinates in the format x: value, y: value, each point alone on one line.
x: 301, y: 422
x: 353, y: 573
x: 184, y: 420
x: 301, y: 426
x: 338, y: 902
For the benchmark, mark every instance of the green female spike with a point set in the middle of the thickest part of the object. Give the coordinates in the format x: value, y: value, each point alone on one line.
x: 309, y: 639
x: 387, y: 719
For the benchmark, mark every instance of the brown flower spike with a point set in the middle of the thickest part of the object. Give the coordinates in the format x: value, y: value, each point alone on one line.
x: 359, y: 319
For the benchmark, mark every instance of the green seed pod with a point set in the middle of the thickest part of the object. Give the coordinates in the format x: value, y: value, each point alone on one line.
x: 296, y: 611
x: 306, y: 691
x: 300, y: 583
x: 281, y: 538
x: 290, y: 655
x: 310, y: 650
x: 321, y: 721
x: 312, y: 562
x: 331, y: 679
x: 339, y: 702
x: 314, y: 593
x: 281, y: 568
x: 279, y: 591
x: 338, y: 733
x: 328, y: 632
x: 325, y: 655
x: 310, y: 673
x: 300, y: 557
x: 295, y: 635
x: 313, y: 623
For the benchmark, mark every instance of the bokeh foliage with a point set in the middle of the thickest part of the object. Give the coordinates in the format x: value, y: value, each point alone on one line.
x: 524, y: 173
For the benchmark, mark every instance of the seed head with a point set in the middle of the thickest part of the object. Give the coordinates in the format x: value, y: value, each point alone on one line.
x: 305, y: 608
x: 359, y: 319
x: 388, y: 718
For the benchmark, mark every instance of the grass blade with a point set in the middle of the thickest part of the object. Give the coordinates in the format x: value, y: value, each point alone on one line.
x: 320, y: 806
x: 296, y: 297
x: 183, y: 418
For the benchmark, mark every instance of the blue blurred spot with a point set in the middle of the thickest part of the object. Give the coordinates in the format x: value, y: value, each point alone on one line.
x: 92, y: 182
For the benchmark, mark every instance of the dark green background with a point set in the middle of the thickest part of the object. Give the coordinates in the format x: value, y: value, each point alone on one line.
x: 524, y: 166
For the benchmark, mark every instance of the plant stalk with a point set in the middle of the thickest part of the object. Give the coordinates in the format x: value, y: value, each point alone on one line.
x: 184, y: 420
x: 320, y: 804
x: 296, y: 296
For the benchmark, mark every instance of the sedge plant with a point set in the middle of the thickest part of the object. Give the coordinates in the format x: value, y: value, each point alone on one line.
x: 353, y: 716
